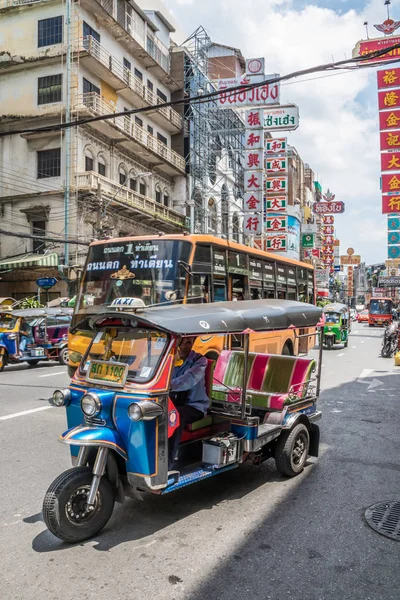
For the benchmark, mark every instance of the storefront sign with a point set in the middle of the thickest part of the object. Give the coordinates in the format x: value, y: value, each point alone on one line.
x: 277, y: 243
x: 391, y: 184
x: 276, y: 184
x: 259, y: 96
x: 276, y: 223
x: 389, y: 119
x: 389, y: 281
x: 388, y: 78
x: 389, y: 99
x: 350, y: 260
x: 390, y: 140
x: 390, y: 204
x: 252, y: 224
x: 276, y: 203
x: 253, y: 181
x: 390, y: 161
x: 276, y: 165
x: 254, y: 160
x: 276, y: 146
x: 254, y: 118
x: 255, y: 66
x: 365, y: 47
x: 320, y: 208
x: 253, y: 201
x: 254, y: 140
x: 307, y: 240
x: 284, y: 118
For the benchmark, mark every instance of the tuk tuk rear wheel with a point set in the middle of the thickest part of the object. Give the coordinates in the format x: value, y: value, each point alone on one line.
x: 292, y: 450
x: 64, y: 506
x: 63, y: 356
x: 2, y: 362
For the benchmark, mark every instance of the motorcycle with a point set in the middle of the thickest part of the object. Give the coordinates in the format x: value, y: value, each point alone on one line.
x: 390, y: 340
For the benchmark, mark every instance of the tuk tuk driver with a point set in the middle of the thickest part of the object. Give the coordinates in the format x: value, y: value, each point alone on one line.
x: 25, y: 331
x: 188, y: 391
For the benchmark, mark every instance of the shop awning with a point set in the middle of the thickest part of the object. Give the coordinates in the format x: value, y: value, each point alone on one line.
x: 31, y: 262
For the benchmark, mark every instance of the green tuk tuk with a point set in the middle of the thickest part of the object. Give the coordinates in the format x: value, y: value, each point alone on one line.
x: 337, y: 325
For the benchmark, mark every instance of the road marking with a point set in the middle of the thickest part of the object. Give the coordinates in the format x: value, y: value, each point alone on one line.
x: 353, y: 347
x: 362, y: 342
x: 341, y: 354
x: 366, y: 373
x: 24, y: 412
x: 51, y: 374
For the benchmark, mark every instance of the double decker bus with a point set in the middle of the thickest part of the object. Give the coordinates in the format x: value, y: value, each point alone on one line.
x: 189, y: 269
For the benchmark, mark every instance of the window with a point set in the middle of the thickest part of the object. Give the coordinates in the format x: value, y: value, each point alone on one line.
x: 127, y: 70
x: 150, y: 85
x: 89, y: 163
x: 158, y: 196
x: 39, y: 229
x: 166, y: 200
x: 162, y: 139
x: 139, y: 74
x: 139, y: 121
x: 49, y: 89
x: 142, y: 188
x: 122, y: 178
x: 127, y: 64
x: 132, y: 184
x: 161, y: 95
x: 50, y: 31
x: 87, y: 30
x: 101, y: 167
x: 150, y: 129
x: 89, y: 87
x: 49, y: 163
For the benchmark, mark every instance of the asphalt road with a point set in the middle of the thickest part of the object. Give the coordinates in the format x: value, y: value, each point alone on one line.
x: 249, y: 533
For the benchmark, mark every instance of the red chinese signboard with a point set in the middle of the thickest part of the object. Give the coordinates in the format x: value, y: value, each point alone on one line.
x: 327, y: 230
x: 328, y: 220
x: 389, y: 99
x: 276, y: 203
x: 277, y: 243
x: 252, y: 201
x: 254, y: 159
x: 367, y: 46
x: 391, y: 184
x: 390, y: 161
x: 388, y: 78
x: 321, y: 208
x: 275, y: 146
x: 276, y: 165
x: 389, y: 119
x: 390, y: 204
x: 390, y: 140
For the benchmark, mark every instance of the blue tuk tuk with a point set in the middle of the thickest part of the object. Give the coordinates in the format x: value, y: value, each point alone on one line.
x: 121, y: 416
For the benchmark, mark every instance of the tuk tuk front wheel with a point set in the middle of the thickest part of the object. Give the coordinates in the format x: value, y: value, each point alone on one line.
x: 292, y: 450
x: 2, y: 362
x: 329, y: 342
x: 65, y: 511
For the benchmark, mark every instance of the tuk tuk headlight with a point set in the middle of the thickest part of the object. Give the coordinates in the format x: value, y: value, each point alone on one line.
x: 144, y: 410
x: 91, y: 404
x: 60, y: 397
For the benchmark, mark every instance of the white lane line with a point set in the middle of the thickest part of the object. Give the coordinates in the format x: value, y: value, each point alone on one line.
x: 353, y: 347
x: 341, y: 354
x: 24, y: 412
x: 362, y: 342
x: 51, y: 374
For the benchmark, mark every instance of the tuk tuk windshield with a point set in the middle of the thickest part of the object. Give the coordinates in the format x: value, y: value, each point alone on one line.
x: 140, y: 349
x: 7, y: 322
x: 332, y: 318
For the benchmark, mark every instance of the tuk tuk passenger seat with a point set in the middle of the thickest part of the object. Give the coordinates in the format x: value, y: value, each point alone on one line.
x: 271, y: 382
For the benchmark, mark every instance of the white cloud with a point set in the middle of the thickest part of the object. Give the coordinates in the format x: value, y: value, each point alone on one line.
x: 338, y: 134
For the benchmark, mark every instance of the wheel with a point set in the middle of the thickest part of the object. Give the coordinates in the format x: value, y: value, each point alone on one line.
x: 33, y: 363
x: 329, y: 343
x: 346, y: 344
x: 2, y: 362
x: 71, y: 371
x: 64, y: 506
x: 292, y: 450
x: 286, y: 351
x: 63, y: 356
x: 386, y: 350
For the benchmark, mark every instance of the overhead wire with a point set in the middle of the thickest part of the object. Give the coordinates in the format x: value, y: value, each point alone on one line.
x: 212, y: 95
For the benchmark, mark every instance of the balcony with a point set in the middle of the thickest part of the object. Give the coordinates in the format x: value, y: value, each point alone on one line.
x: 134, y: 30
x: 129, y: 135
x: 130, y: 87
x: 124, y: 199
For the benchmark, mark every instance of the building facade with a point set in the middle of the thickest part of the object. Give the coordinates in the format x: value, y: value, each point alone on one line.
x: 72, y: 62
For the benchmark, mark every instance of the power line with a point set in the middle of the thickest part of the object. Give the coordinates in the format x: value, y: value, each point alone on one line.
x: 44, y: 238
x: 199, y: 99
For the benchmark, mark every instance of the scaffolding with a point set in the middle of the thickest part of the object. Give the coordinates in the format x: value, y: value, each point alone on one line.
x: 209, y: 132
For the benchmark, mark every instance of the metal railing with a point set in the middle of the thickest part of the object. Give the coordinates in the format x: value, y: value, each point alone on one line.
x: 96, y: 104
x: 96, y: 50
x: 90, y: 180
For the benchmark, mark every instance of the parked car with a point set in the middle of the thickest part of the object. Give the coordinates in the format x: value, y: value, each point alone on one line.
x: 362, y: 317
x: 353, y: 314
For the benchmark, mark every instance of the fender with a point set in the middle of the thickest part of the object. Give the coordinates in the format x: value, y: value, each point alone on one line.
x: 83, y: 435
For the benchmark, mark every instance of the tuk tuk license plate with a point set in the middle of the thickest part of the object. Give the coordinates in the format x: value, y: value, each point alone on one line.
x: 110, y: 373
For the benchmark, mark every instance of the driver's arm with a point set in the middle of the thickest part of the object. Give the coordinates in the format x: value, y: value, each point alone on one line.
x: 190, y: 377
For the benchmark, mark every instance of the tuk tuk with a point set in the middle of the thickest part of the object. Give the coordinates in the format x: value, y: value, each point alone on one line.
x: 48, y: 340
x: 121, y: 416
x: 337, y: 325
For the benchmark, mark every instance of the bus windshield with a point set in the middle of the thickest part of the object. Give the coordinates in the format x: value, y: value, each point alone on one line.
x: 380, y: 307
x: 149, y: 269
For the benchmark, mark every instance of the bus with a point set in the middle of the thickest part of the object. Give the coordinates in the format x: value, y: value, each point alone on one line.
x: 188, y: 268
x: 380, y: 311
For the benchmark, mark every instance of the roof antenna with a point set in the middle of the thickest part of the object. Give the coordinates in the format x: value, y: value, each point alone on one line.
x: 387, y: 4
x: 366, y: 28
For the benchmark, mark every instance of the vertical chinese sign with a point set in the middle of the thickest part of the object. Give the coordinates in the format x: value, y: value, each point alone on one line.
x: 393, y: 239
x: 254, y: 173
x: 389, y: 126
x: 328, y: 240
x: 276, y: 189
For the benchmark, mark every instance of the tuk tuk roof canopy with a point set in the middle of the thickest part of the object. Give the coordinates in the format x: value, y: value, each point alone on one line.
x: 222, y: 317
x: 337, y: 307
x: 41, y: 312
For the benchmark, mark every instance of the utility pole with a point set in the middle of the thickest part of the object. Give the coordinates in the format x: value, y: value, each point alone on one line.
x: 67, y: 131
x: 99, y: 221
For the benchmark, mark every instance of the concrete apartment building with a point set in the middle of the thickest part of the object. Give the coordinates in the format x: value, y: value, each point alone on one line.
x: 70, y: 61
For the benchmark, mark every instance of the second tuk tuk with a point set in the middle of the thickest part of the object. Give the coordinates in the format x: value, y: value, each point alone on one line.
x: 47, y: 339
x: 337, y: 325
x: 121, y: 415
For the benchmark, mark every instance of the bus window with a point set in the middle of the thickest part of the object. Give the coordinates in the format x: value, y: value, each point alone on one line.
x: 199, y: 289
x: 238, y: 289
x: 302, y: 296
x: 219, y: 289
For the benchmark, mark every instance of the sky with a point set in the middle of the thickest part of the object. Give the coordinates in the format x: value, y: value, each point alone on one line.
x: 338, y: 134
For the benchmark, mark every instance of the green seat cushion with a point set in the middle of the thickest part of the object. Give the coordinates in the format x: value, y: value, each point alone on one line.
x: 205, y: 422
